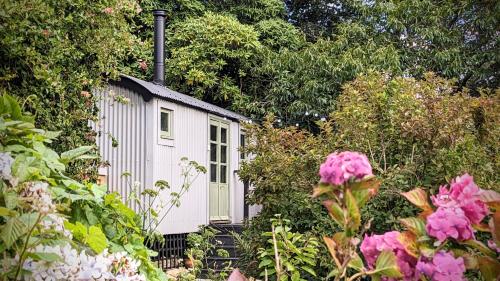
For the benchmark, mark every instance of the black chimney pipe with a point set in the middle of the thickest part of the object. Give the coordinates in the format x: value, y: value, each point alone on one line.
x: 159, y: 45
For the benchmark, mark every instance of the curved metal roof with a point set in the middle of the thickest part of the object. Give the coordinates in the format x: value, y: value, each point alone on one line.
x: 149, y: 90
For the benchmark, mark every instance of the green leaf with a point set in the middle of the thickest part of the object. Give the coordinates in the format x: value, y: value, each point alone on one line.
x: 356, y: 262
x: 4, y: 212
x: 478, y: 245
x: 335, y: 211
x: 265, y: 262
x: 386, y: 265
x: 49, y: 257
x: 418, y: 197
x: 415, y: 225
x: 369, y: 182
x: 353, y: 210
x: 308, y: 270
x: 321, y: 189
x: 13, y: 229
x: 71, y: 155
x: 96, y: 239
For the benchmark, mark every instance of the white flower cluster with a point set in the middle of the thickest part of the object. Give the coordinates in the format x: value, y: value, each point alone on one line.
x: 37, y: 195
x: 66, y: 269
x: 82, y: 267
x: 56, y: 223
x: 6, y: 162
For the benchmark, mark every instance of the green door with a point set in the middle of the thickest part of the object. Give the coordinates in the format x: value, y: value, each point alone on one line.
x: 219, y: 170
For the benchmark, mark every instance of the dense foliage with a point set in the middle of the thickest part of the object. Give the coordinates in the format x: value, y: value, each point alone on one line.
x: 445, y: 133
x: 53, y: 53
x: 53, y: 226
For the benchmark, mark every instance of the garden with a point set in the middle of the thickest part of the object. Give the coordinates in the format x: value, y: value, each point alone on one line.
x: 371, y: 133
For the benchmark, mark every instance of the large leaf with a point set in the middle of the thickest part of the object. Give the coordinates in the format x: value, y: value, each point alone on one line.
x: 489, y: 267
x: 48, y: 257
x: 356, y: 262
x: 73, y: 154
x: 369, y: 182
x: 386, y: 265
x: 415, y: 225
x: 335, y: 211
x: 96, y: 239
x: 478, y: 245
x: 331, y: 245
x: 13, y: 229
x: 409, y: 242
x: 418, y: 197
x: 322, y: 188
x: 353, y: 210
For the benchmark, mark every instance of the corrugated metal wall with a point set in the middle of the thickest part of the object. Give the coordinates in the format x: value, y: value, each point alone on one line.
x: 149, y: 158
x: 124, y: 124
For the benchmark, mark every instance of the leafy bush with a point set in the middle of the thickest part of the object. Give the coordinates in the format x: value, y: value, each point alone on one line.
x: 54, y: 225
x: 415, y: 132
x: 289, y: 255
x: 201, y: 245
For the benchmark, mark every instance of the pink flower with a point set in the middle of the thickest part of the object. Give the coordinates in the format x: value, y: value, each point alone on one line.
x: 463, y: 193
x: 466, y: 193
x: 372, y: 246
x: 340, y: 167
x: 449, y: 222
x: 493, y: 245
x: 442, y: 267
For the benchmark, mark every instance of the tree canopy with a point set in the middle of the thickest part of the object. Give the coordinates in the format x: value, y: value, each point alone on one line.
x: 287, y: 57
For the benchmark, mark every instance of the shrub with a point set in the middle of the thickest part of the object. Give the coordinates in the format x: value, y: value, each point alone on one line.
x: 414, y: 132
x: 288, y: 255
x: 53, y: 226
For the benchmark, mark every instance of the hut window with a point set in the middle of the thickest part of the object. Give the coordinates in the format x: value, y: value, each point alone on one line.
x: 242, y: 146
x: 165, y: 123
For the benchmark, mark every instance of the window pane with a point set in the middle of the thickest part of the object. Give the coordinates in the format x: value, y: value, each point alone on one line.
x: 164, y: 121
x: 213, y: 172
x: 242, y: 145
x: 223, y: 154
x: 223, y: 172
x: 213, y: 133
x: 223, y: 135
x: 213, y: 152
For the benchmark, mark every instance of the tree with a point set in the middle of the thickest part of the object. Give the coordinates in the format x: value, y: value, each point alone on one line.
x: 208, y: 55
x: 53, y: 53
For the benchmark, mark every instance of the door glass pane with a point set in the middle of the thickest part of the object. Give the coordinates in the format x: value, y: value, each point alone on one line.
x: 223, y: 135
x: 213, y: 133
x: 213, y: 172
x: 223, y: 154
x: 213, y: 152
x: 223, y: 172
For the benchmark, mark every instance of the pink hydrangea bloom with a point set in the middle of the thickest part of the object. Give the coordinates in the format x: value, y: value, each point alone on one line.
x: 442, y: 267
x: 463, y: 193
x: 340, y: 167
x: 372, y: 246
x: 449, y: 222
x: 466, y: 193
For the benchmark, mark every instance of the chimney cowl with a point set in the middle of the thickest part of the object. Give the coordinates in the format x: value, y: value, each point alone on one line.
x: 159, y: 46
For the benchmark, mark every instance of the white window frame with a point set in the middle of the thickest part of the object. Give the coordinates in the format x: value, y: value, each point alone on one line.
x: 166, y: 134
